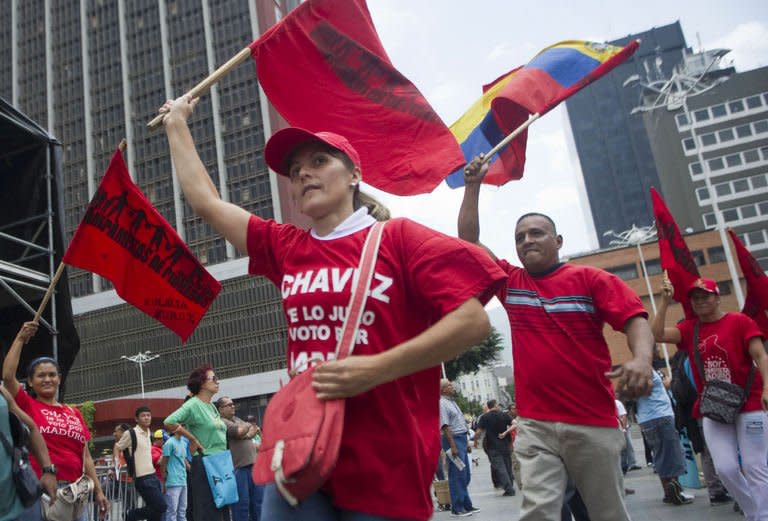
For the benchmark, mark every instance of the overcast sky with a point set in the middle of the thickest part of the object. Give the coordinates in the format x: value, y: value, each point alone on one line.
x: 450, y: 48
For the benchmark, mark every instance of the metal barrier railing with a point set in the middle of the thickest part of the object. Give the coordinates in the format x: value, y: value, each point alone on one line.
x: 119, y: 489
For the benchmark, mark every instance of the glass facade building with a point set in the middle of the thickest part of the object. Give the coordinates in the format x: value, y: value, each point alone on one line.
x: 94, y: 72
x: 612, y: 144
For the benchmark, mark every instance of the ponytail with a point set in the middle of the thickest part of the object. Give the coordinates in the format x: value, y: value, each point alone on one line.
x: 375, y: 209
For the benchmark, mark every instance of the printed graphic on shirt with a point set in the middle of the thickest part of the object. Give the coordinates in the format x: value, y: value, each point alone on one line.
x: 714, y: 359
x: 564, y: 304
x: 62, y: 423
x: 320, y: 322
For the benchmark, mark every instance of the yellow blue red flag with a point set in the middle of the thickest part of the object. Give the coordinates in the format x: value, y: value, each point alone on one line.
x: 557, y: 72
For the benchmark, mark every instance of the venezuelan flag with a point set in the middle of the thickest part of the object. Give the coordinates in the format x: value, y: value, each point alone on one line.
x: 555, y: 73
x: 478, y: 132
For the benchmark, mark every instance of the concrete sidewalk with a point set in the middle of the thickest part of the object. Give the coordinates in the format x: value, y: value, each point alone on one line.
x: 644, y: 505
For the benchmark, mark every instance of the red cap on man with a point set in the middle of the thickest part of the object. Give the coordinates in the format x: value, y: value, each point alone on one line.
x: 708, y: 285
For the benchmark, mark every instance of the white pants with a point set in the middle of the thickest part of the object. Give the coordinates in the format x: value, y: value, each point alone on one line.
x: 746, y: 481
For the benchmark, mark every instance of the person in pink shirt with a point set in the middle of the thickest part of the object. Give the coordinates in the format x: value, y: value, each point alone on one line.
x: 63, y: 428
x: 425, y: 306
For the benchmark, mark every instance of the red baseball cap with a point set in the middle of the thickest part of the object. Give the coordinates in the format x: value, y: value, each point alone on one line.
x: 283, y: 142
x: 708, y: 285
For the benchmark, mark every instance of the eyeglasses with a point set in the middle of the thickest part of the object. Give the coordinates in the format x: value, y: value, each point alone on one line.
x: 213, y: 378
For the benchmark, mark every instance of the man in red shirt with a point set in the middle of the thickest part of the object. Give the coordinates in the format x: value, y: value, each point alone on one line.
x: 567, y: 426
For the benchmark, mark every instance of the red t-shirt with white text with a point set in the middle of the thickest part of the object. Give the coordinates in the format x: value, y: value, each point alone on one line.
x: 724, y: 348
x: 560, y: 354
x: 64, y: 432
x: 390, y: 445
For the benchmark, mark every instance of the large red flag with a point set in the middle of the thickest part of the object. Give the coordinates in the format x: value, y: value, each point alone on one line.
x: 124, y: 239
x: 675, y: 256
x: 756, y: 302
x: 324, y: 68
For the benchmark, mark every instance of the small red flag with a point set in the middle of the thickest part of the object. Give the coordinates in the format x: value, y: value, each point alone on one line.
x: 124, y: 239
x: 756, y: 302
x: 323, y: 67
x: 675, y: 256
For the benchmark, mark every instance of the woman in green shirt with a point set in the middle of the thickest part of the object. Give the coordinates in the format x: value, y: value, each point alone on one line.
x: 198, y: 419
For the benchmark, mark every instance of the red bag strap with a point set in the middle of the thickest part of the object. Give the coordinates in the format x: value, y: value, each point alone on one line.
x: 360, y: 291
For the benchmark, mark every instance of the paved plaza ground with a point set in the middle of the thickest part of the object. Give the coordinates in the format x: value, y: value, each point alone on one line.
x: 644, y: 505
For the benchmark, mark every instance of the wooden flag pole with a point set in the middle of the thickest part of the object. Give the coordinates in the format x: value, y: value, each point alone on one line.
x: 504, y: 142
x: 203, y: 86
x: 60, y: 270
x: 48, y: 293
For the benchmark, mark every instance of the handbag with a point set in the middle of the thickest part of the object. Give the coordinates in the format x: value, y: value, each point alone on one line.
x: 302, y: 434
x: 24, y: 478
x: 220, y: 472
x: 720, y: 401
x: 71, y: 501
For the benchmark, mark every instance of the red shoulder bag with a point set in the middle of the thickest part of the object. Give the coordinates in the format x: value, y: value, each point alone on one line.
x: 301, y: 434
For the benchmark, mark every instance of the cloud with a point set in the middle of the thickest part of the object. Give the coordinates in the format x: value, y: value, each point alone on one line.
x: 512, y: 55
x: 748, y: 43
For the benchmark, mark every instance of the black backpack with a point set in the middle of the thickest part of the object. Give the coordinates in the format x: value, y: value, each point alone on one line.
x: 129, y: 456
x: 682, y: 389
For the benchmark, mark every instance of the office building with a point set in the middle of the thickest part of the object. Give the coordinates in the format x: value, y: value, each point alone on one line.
x: 612, y: 144
x: 94, y: 72
x: 723, y: 136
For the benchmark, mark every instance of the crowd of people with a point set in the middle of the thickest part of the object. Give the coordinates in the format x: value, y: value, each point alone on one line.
x: 426, y: 308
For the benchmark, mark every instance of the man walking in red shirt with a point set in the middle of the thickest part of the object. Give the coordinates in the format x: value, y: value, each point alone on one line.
x: 567, y: 426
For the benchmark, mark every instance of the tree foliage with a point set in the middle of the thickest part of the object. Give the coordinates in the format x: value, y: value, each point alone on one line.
x: 484, y: 353
x: 467, y: 406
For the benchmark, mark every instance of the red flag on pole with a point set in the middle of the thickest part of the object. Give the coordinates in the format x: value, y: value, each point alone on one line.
x: 324, y: 68
x: 674, y: 253
x: 756, y: 302
x: 124, y: 239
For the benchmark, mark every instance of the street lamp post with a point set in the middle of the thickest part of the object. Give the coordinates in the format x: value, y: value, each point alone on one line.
x: 636, y: 236
x: 141, y: 358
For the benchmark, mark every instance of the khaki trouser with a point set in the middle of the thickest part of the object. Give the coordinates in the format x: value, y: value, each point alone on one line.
x: 550, y: 452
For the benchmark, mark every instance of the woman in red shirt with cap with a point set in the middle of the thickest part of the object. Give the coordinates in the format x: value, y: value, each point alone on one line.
x: 729, y: 344
x: 425, y: 306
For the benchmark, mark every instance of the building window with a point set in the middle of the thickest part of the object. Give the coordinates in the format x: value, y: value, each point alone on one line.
x: 756, y: 237
x: 743, y: 131
x: 761, y: 126
x: 702, y: 193
x: 730, y: 215
x: 653, y: 267
x: 716, y: 254
x: 689, y: 144
x: 696, y: 168
x: 751, y: 156
x: 733, y: 160
x: 725, y: 135
x: 753, y: 102
x: 741, y: 185
x: 724, y: 287
x: 710, y: 220
x: 763, y: 208
x: 682, y: 121
x: 716, y: 164
x: 626, y: 272
x: 736, y: 106
x: 698, y: 257
x: 723, y: 189
x: 701, y: 115
x: 759, y: 181
x: 749, y: 211
x: 763, y: 261
x: 718, y: 111
x: 708, y: 139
